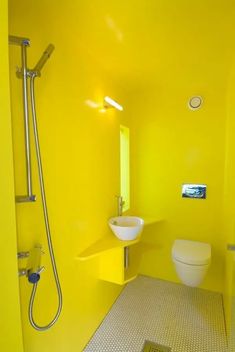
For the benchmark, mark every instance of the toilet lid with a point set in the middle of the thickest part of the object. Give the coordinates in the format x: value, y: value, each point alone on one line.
x: 191, y: 252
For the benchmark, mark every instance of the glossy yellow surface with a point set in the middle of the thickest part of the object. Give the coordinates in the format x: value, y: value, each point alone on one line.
x: 151, y: 56
x: 105, y: 244
x: 80, y: 153
x: 112, y: 264
x: 229, y: 209
x: 172, y: 144
x: 10, y: 322
x: 109, y: 242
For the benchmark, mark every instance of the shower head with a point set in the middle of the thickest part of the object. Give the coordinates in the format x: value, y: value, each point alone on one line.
x: 45, y: 56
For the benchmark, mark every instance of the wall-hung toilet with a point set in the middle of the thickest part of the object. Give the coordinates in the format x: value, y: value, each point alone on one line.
x: 192, y: 260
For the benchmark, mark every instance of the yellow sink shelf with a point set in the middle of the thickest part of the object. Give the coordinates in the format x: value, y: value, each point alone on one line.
x: 112, y: 256
x: 150, y: 221
x: 104, y: 244
x: 111, y: 242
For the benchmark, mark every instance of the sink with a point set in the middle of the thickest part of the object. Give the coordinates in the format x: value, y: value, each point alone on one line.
x: 126, y: 228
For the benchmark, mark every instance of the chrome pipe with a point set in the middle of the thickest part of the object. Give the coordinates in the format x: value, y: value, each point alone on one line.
x: 26, y: 121
x: 45, y: 56
x: 120, y: 204
x: 126, y: 258
x: 23, y: 73
x: 12, y: 39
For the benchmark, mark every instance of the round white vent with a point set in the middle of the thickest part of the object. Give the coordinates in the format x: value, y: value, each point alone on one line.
x: 195, y: 102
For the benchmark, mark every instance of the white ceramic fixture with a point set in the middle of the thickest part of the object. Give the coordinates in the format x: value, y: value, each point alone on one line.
x: 192, y: 260
x: 126, y: 228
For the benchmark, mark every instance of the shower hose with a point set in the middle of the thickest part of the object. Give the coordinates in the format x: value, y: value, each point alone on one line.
x: 46, y: 220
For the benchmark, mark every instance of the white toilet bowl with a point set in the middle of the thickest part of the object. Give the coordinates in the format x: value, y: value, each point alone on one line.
x: 192, y: 260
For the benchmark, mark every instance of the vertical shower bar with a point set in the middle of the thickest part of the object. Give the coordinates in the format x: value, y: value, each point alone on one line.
x: 26, y: 119
x: 23, y: 73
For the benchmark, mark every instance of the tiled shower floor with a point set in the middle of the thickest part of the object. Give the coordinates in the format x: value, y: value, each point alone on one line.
x: 183, y: 318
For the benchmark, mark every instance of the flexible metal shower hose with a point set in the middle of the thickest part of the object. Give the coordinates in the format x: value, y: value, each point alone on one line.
x: 46, y: 219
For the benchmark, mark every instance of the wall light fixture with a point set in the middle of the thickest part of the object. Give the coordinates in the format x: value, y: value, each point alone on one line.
x: 110, y: 103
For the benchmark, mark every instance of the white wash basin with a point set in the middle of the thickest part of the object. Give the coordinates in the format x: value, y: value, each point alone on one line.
x: 126, y: 228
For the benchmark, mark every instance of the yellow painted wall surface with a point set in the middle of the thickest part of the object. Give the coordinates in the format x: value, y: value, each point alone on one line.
x: 10, y: 322
x: 80, y: 153
x: 229, y: 211
x: 151, y: 56
x: 172, y: 145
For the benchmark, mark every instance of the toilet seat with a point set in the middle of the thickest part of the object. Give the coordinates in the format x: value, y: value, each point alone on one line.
x: 191, y: 252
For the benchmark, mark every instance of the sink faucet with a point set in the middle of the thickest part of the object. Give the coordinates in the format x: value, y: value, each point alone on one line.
x: 120, y: 203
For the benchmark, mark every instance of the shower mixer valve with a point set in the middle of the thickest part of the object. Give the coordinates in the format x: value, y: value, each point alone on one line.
x: 33, y: 269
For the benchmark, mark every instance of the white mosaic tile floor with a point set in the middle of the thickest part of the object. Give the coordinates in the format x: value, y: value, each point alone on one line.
x: 183, y: 318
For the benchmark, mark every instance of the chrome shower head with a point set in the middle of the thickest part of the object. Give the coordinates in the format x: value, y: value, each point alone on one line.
x: 45, y: 56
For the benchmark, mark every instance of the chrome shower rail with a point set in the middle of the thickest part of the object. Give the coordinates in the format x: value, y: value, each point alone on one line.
x: 24, y: 42
x: 25, y: 73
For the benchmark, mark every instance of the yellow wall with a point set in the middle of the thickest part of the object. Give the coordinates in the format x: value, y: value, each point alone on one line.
x: 151, y: 56
x: 80, y: 152
x: 10, y: 322
x: 172, y: 145
x: 229, y: 212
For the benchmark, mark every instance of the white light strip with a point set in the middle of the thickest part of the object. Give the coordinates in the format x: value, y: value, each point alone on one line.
x: 113, y: 103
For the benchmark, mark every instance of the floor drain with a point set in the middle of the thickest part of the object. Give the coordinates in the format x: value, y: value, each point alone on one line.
x: 150, y: 346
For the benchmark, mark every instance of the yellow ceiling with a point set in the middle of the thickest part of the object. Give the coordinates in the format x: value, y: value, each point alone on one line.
x: 135, y: 38
x: 137, y: 41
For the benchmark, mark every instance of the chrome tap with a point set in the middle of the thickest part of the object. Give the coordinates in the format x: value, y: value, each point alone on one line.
x: 120, y: 204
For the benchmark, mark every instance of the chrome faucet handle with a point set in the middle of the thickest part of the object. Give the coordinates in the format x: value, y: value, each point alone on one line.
x: 40, y: 270
x: 119, y: 198
x: 120, y: 203
x: 34, y: 276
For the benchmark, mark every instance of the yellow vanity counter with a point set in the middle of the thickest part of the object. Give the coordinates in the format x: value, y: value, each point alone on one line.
x: 113, y: 254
